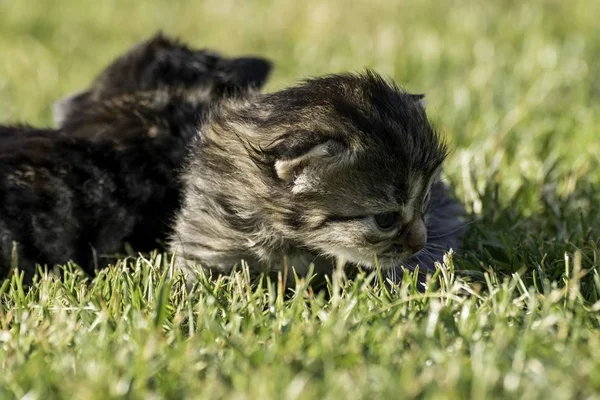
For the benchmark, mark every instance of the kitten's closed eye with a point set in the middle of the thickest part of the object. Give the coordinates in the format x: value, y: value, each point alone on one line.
x: 387, y: 221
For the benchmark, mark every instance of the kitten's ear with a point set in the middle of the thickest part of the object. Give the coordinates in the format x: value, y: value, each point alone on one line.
x: 67, y: 106
x: 249, y: 71
x: 324, y: 155
x: 420, y: 98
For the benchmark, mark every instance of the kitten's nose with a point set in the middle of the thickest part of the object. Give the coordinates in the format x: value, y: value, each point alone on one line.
x: 414, y: 235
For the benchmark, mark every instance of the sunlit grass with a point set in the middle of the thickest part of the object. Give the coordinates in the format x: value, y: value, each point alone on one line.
x: 515, y: 88
x: 138, y: 331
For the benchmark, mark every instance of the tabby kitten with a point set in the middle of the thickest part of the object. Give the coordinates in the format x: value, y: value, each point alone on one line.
x: 109, y: 175
x: 344, y: 167
x: 164, y: 63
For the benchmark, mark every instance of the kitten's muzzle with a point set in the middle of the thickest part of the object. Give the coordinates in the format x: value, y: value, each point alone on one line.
x: 414, y: 235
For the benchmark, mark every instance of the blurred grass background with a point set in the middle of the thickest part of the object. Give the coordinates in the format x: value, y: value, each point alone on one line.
x: 515, y: 87
x: 507, y: 70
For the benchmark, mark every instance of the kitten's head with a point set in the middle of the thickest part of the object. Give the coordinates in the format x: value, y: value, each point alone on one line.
x: 351, y: 158
x: 164, y: 63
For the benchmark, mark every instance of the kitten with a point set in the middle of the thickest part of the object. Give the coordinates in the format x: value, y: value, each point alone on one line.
x: 344, y: 167
x: 164, y: 63
x: 109, y: 175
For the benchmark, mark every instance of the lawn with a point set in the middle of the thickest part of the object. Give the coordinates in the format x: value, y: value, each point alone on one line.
x: 513, y: 86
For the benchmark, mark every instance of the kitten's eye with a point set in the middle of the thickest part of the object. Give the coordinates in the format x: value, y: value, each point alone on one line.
x: 386, y: 221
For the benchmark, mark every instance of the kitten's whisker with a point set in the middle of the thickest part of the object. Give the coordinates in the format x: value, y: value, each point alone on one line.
x: 423, y: 252
x: 472, y: 220
x: 391, y: 274
x: 435, y: 246
x: 453, y: 231
x: 435, y: 257
x: 444, y: 249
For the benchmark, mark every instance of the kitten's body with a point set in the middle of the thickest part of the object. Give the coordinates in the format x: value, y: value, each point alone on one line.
x: 298, y: 173
x: 109, y: 174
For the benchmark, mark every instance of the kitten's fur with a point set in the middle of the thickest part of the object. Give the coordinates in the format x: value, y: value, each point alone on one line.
x: 109, y: 175
x: 163, y: 63
x: 301, y: 173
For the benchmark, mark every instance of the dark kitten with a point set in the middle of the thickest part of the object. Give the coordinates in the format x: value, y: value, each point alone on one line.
x: 109, y: 175
x: 163, y: 63
x: 343, y: 167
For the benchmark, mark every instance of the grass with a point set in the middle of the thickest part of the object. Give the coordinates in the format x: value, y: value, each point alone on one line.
x: 515, y: 88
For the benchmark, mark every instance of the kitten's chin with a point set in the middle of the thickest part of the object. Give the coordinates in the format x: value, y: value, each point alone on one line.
x: 370, y: 262
x: 384, y: 264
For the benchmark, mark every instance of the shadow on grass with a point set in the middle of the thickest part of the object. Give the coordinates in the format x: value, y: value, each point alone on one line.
x: 545, y: 230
